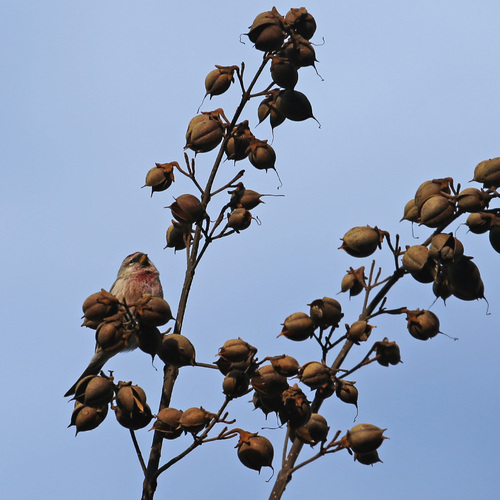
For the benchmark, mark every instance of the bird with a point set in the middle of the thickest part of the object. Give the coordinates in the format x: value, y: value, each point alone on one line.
x: 136, y: 277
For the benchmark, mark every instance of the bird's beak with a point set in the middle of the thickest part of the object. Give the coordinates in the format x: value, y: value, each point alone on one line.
x: 143, y: 260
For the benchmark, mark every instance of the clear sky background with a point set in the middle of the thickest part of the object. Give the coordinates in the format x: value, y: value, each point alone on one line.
x: 93, y: 93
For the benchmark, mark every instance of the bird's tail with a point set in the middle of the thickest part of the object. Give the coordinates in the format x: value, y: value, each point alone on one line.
x: 96, y: 363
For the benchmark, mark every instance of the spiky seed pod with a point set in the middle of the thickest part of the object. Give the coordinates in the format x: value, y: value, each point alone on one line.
x: 494, y: 237
x: 137, y: 419
x: 296, y: 409
x: 177, y: 350
x: 267, y: 31
x: 436, y: 211
x: 204, y: 133
x: 488, y: 172
x: 261, y: 155
x: 362, y: 241
x: 369, y: 458
x: 388, y: 353
x: 359, y: 331
x: 268, y: 381
x: 479, y: 222
x: 168, y: 423
x: 188, y: 208
x: 410, y: 212
x: 432, y: 188
x: 94, y: 390
x: 235, y: 350
x: 284, y: 73
x: 444, y: 247
x: 364, y: 438
x: 267, y: 108
x: 464, y: 279
x: 315, y: 374
x: 254, y: 451
x: 97, y: 307
x: 294, y: 105
x: 178, y: 234
x: 285, y: 365
x: 301, y: 22
x: 239, y: 219
x: 219, y: 80
x: 313, y: 432
x: 235, y: 383
x: 153, y: 311
x: 326, y: 312
x: 160, y: 177
x: 195, y: 419
x: 422, y: 324
x: 298, y: 326
x: 87, y: 418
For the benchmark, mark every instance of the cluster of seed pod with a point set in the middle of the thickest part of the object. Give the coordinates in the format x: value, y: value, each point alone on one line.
x: 95, y: 393
x: 171, y: 422
x: 119, y: 325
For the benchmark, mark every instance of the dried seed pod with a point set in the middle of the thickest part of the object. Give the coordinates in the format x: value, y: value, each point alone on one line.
x: 195, y: 419
x: 472, y: 200
x: 488, y: 172
x: 422, y: 324
x: 94, y: 390
x: 219, y: 80
x: 236, y: 350
x: 205, y: 132
x: 177, y: 350
x: 235, y: 383
x: 168, y: 423
x: 254, y: 451
x: 267, y: 404
x: 313, y: 432
x: 261, y: 155
x: 298, y: 326
x: 267, y: 31
x: 268, y: 381
x: 111, y: 336
x: 149, y: 339
x: 464, y: 279
x: 245, y: 198
x: 368, y: 458
x: 346, y: 392
x: 364, y: 438
x: 283, y: 72
x: 296, y: 409
x: 440, y: 286
x: 415, y: 258
x: 494, y: 237
x: 99, y: 306
x: 444, y: 247
x: 411, y: 212
x: 236, y: 147
x: 267, y: 108
x: 130, y: 398
x: 359, y: 331
x: 177, y: 235
x: 86, y: 418
x: 188, y: 208
x: 300, y: 52
x: 153, y: 311
x: 137, y: 419
x: 315, y: 374
x: 326, y: 312
x: 362, y: 241
x: 387, y: 352
x: 294, y: 105
x: 285, y: 365
x: 354, y: 281
x: 432, y: 188
x: 239, y: 219
x: 301, y: 22
x: 479, y: 222
x: 160, y: 178
x: 428, y: 273
x: 436, y: 211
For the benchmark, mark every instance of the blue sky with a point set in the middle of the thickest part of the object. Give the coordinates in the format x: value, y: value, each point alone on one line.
x: 93, y: 93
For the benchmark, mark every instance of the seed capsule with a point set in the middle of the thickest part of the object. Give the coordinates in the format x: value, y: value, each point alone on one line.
x: 313, y: 432
x: 188, y: 208
x: 296, y: 409
x: 153, y: 311
x: 388, y: 353
x: 168, y: 423
x: 267, y: 31
x: 177, y: 350
x: 204, y: 133
x: 346, y: 392
x: 235, y: 384
x: 294, y: 105
x: 464, y: 279
x: 488, y: 172
x: 369, y: 458
x: 261, y: 155
x: 267, y: 108
x: 284, y: 73
x: 266, y: 380
x: 444, y: 247
x: 411, y: 212
x: 326, y: 312
x: 362, y: 241
x: 195, y: 419
x: 236, y: 350
x: 436, y: 211
x: 87, y: 418
x: 298, y: 326
x: 219, y: 80
x: 314, y: 374
x: 365, y: 438
x: 354, y: 281
x: 494, y: 237
x: 300, y: 51
x: 479, y: 222
x: 178, y: 234
x: 432, y: 188
x: 160, y: 178
x: 422, y: 324
x: 99, y: 306
x: 94, y: 390
x: 239, y: 219
x: 137, y: 419
x: 301, y: 22
x: 285, y: 365
x: 254, y: 451
x: 359, y: 331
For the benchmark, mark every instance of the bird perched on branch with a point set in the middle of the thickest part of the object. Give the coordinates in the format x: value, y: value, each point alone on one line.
x: 136, y: 277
